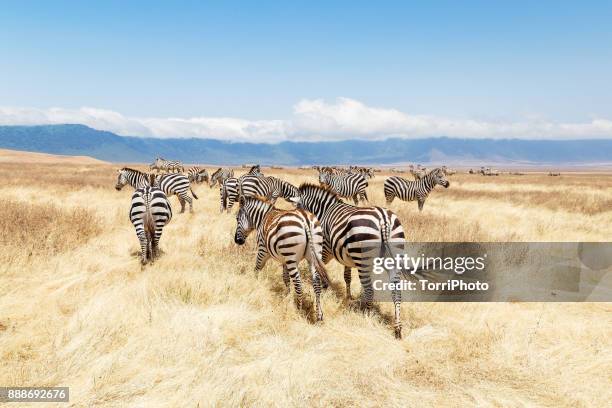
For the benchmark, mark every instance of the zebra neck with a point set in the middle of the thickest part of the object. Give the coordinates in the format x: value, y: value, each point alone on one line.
x: 137, y: 179
x: 428, y: 183
x: 260, y: 214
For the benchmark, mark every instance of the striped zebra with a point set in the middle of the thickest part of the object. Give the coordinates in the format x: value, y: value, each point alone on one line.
x: 418, y: 172
x: 366, y: 172
x: 171, y: 184
x: 287, y: 236
x: 219, y: 176
x: 407, y: 190
x: 228, y: 191
x: 167, y: 165
x: 268, y: 187
x: 348, y: 186
x: 149, y: 213
x: 197, y: 174
x: 347, y: 233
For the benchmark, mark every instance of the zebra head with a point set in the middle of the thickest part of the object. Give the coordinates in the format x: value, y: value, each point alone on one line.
x: 324, y: 177
x: 439, y: 177
x: 122, y: 179
x: 244, y: 219
x: 243, y: 225
x: 214, y: 178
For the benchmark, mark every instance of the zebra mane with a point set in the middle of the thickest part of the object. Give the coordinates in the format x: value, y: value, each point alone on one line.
x: 132, y: 170
x: 325, y: 189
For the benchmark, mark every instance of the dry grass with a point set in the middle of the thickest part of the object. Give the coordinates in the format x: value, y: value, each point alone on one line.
x: 199, y: 327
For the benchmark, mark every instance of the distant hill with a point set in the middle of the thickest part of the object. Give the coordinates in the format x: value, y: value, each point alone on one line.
x: 82, y: 140
x: 18, y: 156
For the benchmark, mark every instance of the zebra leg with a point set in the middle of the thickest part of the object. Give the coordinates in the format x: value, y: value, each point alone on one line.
x: 144, y: 247
x: 189, y: 200
x: 297, y: 282
x: 262, y: 258
x: 182, y: 202
x: 155, y: 246
x: 366, y: 284
x: 421, y: 203
x: 347, y: 281
x: 389, y: 197
x: 396, y: 296
x: 316, y: 285
x: 286, y: 279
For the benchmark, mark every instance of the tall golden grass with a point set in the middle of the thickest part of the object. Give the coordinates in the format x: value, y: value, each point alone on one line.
x: 197, y: 327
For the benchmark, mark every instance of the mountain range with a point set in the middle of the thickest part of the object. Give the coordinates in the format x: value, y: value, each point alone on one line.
x: 73, y: 139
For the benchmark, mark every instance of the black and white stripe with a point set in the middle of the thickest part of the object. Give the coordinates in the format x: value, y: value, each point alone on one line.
x: 171, y: 184
x: 149, y: 213
x: 228, y: 192
x: 407, y: 190
x: 347, y: 185
x: 219, y: 176
x: 268, y: 187
x: 286, y: 236
x: 354, y: 236
x: 167, y: 165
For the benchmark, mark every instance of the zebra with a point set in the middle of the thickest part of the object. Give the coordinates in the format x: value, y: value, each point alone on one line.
x: 149, y: 213
x: 268, y: 187
x: 407, y: 190
x: 418, y: 172
x: 288, y: 236
x: 349, y: 185
x: 219, y: 176
x: 347, y: 230
x: 228, y: 192
x: 197, y: 174
x: 168, y: 165
x: 157, y: 165
x: 366, y: 172
x: 171, y: 184
x: 447, y: 171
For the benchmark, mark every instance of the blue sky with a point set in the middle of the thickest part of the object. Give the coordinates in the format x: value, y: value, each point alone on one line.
x: 514, y: 63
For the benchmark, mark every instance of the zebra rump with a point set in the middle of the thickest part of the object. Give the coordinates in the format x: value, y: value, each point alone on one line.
x: 150, y: 211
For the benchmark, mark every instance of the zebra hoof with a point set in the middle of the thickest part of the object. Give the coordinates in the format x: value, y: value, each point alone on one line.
x: 398, y: 333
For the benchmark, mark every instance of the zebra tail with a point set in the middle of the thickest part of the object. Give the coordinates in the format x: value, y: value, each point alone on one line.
x: 149, y: 227
x: 192, y: 193
x: 315, y: 258
x: 224, y: 196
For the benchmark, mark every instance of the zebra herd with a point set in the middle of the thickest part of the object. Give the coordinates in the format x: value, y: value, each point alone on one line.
x: 321, y: 227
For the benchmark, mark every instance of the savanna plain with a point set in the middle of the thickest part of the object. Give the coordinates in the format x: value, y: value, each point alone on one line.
x: 198, y: 328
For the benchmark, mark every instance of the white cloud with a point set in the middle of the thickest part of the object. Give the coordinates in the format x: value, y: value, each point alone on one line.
x: 312, y: 120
